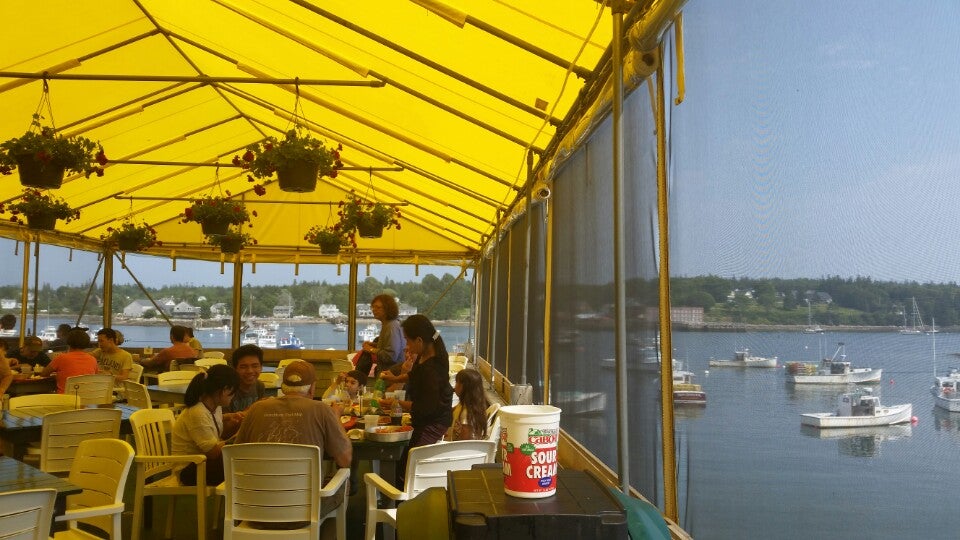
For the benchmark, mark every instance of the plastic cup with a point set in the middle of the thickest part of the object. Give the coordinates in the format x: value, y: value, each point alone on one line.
x: 371, y: 420
x: 401, y: 395
x: 528, y: 446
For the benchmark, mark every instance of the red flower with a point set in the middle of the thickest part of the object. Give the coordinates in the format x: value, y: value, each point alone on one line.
x: 340, y: 147
x: 250, y: 178
x: 42, y: 155
x: 14, y: 219
x: 254, y: 213
x: 260, y: 191
x: 236, y: 160
x: 188, y: 213
x: 248, y: 156
x: 99, y: 171
x: 5, y: 169
x: 101, y: 159
x: 268, y: 146
x: 333, y: 174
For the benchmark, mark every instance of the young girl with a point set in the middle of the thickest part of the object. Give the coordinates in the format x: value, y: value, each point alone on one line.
x: 470, y: 415
x: 199, y: 427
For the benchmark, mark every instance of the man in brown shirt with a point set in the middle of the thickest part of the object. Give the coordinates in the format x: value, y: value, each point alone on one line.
x: 296, y: 418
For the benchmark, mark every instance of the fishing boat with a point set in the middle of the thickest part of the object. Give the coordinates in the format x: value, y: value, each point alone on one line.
x: 833, y: 370
x: 289, y: 341
x: 340, y: 327
x: 946, y: 391
x: 685, y: 391
x: 916, y: 323
x: 859, y: 409
x: 743, y: 358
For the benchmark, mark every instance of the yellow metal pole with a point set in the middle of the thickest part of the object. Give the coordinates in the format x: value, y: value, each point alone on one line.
x: 666, y: 345
x: 24, y: 287
x: 108, y: 287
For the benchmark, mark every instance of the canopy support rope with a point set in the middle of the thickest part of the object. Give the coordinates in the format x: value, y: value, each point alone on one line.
x: 86, y: 299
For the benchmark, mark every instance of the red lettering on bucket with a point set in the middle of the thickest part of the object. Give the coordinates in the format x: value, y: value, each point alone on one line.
x: 539, y: 470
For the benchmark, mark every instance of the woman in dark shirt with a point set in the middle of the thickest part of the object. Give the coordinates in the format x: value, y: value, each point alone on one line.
x: 430, y: 394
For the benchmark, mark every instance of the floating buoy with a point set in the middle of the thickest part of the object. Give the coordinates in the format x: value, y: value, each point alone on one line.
x: 914, y: 419
x: 891, y: 381
x: 706, y: 372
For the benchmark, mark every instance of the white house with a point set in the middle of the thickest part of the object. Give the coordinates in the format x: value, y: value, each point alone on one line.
x: 282, y: 312
x: 137, y: 308
x: 184, y: 310
x: 219, y: 309
x: 329, y: 311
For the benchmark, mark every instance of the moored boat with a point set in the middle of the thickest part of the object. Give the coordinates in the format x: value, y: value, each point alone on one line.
x: 289, y: 341
x: 369, y: 333
x: 743, y: 358
x: 833, y: 370
x: 685, y: 391
x: 946, y: 391
x: 859, y: 409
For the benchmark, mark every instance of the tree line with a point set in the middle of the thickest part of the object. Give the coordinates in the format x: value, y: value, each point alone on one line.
x: 859, y: 301
x: 305, y: 297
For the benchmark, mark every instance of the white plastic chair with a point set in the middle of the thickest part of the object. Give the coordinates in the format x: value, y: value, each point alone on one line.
x: 493, y: 423
x: 207, y: 363
x: 136, y: 372
x: 270, y: 380
x: 174, y: 378
x: 62, y: 433
x: 278, y: 483
x: 43, y: 401
x: 155, y: 476
x: 137, y: 395
x: 26, y: 514
x: 339, y: 365
x: 427, y: 467
x: 213, y: 354
x: 91, y: 389
x: 100, y: 468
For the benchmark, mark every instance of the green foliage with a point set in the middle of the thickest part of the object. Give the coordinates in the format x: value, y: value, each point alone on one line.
x: 265, y: 157
x: 319, y: 235
x: 143, y: 235
x: 34, y: 202
x: 220, y: 209
x: 355, y: 211
x: 77, y: 154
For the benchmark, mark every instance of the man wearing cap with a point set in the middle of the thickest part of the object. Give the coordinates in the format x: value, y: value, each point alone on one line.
x: 31, y: 353
x: 110, y: 357
x: 296, y: 418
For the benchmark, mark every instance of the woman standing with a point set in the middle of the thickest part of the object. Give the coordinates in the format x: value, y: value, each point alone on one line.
x: 199, y: 427
x: 387, y: 349
x: 431, y: 396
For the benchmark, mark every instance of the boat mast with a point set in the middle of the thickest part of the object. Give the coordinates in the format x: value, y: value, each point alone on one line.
x: 933, y: 322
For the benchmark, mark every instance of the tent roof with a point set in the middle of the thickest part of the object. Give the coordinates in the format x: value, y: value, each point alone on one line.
x: 446, y: 134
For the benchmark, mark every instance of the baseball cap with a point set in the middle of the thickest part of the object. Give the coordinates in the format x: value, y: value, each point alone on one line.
x: 299, y: 373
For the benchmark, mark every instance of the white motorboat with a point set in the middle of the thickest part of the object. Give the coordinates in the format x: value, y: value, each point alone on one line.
x: 834, y: 370
x: 340, y: 327
x: 369, y: 333
x: 289, y: 341
x: 743, y: 358
x: 49, y: 334
x: 685, y: 391
x: 946, y: 391
x: 859, y: 409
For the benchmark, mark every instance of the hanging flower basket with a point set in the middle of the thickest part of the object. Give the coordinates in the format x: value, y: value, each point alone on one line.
x: 367, y: 228
x: 41, y: 222
x: 39, y: 210
x: 39, y: 174
x: 211, y: 227
x: 328, y: 239
x: 298, y: 176
x: 231, y: 242
x: 42, y: 156
x: 131, y: 237
x: 298, y: 160
x: 216, y: 214
x: 368, y: 218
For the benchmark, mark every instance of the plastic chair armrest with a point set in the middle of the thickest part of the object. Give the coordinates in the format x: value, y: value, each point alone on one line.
x: 342, y: 476
x: 192, y: 458
x: 83, y: 513
x: 374, y: 480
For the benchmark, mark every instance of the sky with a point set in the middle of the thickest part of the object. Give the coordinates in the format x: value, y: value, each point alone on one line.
x: 818, y: 138
x: 57, y: 268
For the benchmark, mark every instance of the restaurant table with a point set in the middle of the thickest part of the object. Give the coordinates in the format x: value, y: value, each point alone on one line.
x: 581, y: 508
x: 173, y: 393
x: 21, y: 427
x: 18, y: 476
x: 22, y: 386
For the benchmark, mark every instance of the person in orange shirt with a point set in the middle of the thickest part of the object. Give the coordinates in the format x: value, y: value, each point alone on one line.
x: 73, y: 362
x: 179, y: 350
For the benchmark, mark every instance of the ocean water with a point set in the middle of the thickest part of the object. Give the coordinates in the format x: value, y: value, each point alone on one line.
x: 314, y: 335
x: 750, y: 471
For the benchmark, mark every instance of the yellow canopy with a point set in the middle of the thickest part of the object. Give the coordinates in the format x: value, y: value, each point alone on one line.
x: 463, y: 95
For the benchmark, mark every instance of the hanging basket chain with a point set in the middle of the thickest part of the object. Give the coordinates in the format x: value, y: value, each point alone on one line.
x: 44, y: 101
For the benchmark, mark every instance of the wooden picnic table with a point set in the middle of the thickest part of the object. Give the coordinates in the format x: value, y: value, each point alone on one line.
x: 18, y: 476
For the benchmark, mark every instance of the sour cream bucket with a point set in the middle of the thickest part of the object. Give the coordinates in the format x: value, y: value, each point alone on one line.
x: 528, y: 447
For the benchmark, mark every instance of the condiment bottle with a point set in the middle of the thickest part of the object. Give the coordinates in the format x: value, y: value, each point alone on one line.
x: 396, y: 415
